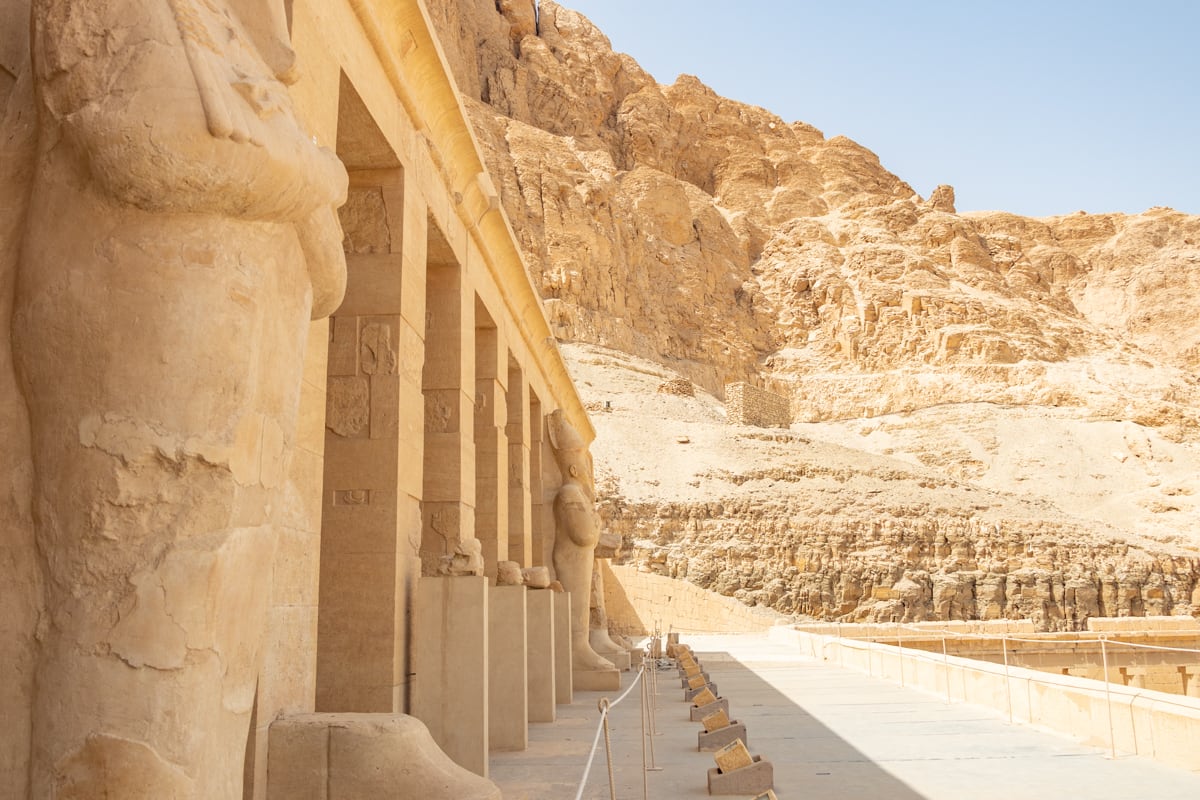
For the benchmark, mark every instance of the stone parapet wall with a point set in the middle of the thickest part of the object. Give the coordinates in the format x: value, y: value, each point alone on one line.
x: 1148, y: 623
x: 749, y: 405
x: 1139, y: 721
x: 638, y: 601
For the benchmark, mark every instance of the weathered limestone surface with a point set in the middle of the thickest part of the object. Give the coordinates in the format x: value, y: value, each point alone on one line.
x: 1011, y: 401
x: 19, y: 571
x: 170, y: 247
x: 159, y: 339
x: 575, y: 537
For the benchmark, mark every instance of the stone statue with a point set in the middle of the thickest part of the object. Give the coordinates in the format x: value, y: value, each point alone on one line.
x: 181, y: 232
x: 575, y: 535
x: 599, y: 636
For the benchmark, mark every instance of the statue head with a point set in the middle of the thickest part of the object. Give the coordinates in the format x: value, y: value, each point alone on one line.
x: 570, y: 451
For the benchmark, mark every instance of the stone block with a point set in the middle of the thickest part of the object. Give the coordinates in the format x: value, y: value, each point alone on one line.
x: 701, y: 697
x: 541, y: 654
x: 700, y: 712
x: 715, y: 721
x: 450, y: 689
x: 597, y: 680
x: 696, y: 681
x: 722, y: 737
x: 683, y: 682
x: 754, y: 779
x: 349, y: 756
x: 563, y: 679
x: 508, y: 702
x: 733, y: 756
x: 621, y: 661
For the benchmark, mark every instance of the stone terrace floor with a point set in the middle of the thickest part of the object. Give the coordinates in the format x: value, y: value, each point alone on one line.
x: 830, y: 733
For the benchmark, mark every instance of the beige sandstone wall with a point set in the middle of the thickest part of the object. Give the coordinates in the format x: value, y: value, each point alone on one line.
x: 640, y: 602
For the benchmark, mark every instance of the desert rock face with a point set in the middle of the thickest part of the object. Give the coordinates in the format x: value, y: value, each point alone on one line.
x: 1013, y: 398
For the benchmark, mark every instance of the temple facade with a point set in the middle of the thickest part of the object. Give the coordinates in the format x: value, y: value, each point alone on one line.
x: 280, y: 405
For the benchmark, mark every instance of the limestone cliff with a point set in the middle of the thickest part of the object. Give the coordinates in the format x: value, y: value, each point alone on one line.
x: 715, y: 241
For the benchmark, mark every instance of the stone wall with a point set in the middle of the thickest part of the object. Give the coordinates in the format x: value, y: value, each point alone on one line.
x: 749, y: 405
x: 1134, y: 720
x: 638, y: 601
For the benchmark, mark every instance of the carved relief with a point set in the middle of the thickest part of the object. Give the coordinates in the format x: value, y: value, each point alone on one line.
x: 439, y: 414
x: 348, y: 406
x: 352, y: 497
x: 377, y: 355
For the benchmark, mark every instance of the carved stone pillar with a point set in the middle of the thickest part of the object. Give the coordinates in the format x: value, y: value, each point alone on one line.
x: 491, y: 446
x: 520, y: 501
x: 448, y: 507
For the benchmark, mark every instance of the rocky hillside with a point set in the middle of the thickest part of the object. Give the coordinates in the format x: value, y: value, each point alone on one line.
x: 995, y: 415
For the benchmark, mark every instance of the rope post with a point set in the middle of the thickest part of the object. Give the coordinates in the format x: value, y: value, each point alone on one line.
x: 1112, y: 737
x: 612, y: 786
x: 946, y: 667
x: 645, y: 767
x: 1007, y: 679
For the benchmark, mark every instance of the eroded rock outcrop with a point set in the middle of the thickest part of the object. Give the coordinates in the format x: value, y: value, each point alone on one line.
x: 721, y: 243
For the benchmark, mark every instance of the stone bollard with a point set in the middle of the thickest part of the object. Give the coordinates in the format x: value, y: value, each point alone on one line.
x: 737, y: 772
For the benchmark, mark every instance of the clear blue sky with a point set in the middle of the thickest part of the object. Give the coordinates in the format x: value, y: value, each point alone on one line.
x: 1039, y: 108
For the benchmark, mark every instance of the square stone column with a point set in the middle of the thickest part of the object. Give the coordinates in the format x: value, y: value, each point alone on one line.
x: 520, y: 501
x: 564, y: 684
x: 491, y: 442
x: 542, y: 655
x: 541, y: 509
x: 370, y: 516
x: 508, y: 705
x: 450, y: 662
x: 448, y: 381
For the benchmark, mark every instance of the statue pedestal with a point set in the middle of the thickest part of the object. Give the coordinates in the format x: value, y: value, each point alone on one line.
x: 508, y: 702
x: 450, y: 659
x: 542, y: 655
x: 597, y: 680
x: 348, y: 756
x: 620, y: 660
x: 563, y: 687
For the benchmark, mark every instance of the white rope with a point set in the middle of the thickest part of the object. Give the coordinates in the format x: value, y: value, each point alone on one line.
x: 600, y: 729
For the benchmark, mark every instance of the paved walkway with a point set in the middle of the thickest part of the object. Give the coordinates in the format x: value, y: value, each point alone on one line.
x: 830, y: 733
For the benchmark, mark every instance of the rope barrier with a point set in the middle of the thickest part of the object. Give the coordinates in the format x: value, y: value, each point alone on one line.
x: 602, y: 728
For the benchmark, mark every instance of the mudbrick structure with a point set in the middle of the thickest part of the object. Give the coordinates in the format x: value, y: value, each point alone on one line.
x: 749, y: 405
x: 994, y: 416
